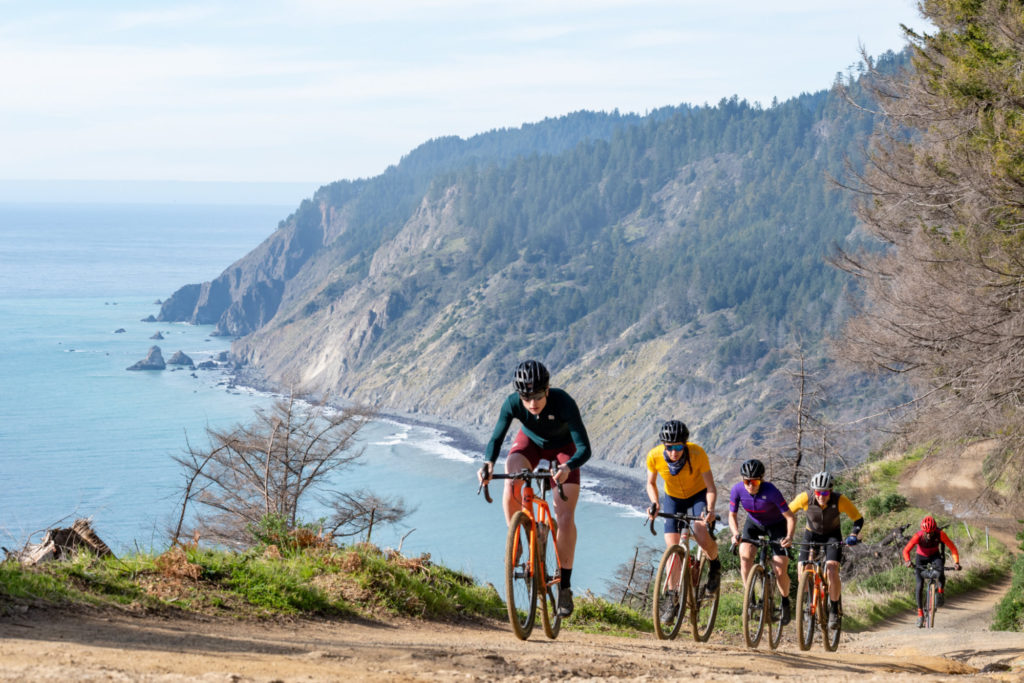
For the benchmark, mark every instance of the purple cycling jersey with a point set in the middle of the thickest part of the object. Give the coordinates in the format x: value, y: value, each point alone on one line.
x: 764, y: 507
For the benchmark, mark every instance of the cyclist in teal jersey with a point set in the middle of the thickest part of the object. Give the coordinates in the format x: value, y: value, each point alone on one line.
x: 552, y: 430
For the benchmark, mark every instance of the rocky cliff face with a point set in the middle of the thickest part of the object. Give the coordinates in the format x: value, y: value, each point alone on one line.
x: 414, y: 313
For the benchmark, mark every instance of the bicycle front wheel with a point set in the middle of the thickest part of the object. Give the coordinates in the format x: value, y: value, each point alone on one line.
x: 932, y: 605
x: 520, y: 585
x: 704, y: 610
x: 830, y: 629
x: 805, y: 610
x: 754, y: 606
x: 671, y: 586
x: 774, y: 625
x: 547, y: 573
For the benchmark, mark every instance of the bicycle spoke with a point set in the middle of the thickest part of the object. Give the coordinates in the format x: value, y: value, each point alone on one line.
x: 805, y: 609
x: 520, y: 585
x: 547, y: 571
x: 753, y: 606
x: 705, y: 610
x: 669, y: 598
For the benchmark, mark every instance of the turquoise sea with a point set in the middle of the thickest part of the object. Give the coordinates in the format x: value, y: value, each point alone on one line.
x: 80, y: 436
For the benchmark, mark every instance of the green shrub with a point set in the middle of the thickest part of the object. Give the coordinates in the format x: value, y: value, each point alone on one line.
x: 889, y: 502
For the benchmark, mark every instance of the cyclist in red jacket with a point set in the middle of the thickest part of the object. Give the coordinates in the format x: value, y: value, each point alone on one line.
x: 929, y: 541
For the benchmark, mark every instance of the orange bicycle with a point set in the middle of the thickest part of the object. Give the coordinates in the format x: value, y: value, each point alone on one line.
x: 813, y: 604
x: 532, y: 565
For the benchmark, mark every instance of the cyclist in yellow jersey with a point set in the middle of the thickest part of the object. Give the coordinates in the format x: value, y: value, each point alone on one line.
x: 689, y: 488
x: 823, y: 506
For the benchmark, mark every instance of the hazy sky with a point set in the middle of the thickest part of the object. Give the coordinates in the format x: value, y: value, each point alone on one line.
x: 319, y: 90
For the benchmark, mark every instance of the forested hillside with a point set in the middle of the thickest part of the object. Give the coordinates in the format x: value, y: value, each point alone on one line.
x: 669, y: 265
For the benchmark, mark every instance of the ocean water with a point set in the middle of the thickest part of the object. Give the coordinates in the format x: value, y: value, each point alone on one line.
x: 80, y: 436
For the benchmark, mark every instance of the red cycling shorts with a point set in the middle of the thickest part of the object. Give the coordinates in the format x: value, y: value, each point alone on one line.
x: 534, y: 453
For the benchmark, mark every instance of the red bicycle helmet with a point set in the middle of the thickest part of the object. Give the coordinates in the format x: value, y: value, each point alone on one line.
x: 928, y: 524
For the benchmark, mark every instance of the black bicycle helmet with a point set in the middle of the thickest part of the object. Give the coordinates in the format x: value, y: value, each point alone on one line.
x: 752, y: 469
x: 531, y: 376
x: 823, y: 481
x: 674, y: 431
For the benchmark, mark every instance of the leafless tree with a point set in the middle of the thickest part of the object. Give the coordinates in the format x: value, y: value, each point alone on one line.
x: 943, y: 197
x: 270, y: 468
x: 803, y: 441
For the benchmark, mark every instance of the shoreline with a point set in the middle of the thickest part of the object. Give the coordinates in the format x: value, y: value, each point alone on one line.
x: 618, y: 484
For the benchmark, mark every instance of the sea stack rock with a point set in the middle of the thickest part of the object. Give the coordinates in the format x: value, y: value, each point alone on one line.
x: 154, y: 360
x: 149, y: 319
x: 157, y: 336
x: 179, y: 358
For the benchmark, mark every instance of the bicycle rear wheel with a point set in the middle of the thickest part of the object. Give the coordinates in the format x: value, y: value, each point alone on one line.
x: 704, y: 609
x: 829, y: 633
x: 547, y: 572
x: 520, y: 585
x: 805, y: 610
x: 754, y: 606
x: 670, y: 603
x: 932, y: 605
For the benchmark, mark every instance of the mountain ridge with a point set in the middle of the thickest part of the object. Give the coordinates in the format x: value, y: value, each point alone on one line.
x: 668, y: 269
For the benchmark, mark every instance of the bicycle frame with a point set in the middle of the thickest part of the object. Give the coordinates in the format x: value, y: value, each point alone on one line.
x: 812, y: 573
x: 534, y: 517
x: 679, y: 572
x: 763, y: 571
x: 930, y: 575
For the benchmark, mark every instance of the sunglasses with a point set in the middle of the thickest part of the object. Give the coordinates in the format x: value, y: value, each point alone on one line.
x: 535, y: 396
x: 752, y: 481
x: 822, y: 493
x: 675, y: 447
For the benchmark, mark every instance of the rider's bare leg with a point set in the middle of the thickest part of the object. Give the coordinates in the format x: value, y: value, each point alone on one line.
x: 747, y: 552
x: 511, y: 499
x: 673, y: 577
x: 835, y: 588
x: 704, y: 540
x: 781, y: 564
x: 565, y: 515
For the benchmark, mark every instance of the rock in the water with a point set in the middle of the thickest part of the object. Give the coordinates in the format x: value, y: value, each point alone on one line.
x: 157, y: 336
x: 154, y: 360
x: 149, y: 319
x: 179, y: 358
x: 119, y: 330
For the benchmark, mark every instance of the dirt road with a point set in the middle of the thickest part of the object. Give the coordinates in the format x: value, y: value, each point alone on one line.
x: 47, y: 645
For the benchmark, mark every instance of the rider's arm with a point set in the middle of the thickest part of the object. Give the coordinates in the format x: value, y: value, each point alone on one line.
x: 500, y: 430
x: 910, y: 546
x: 949, y: 544
x: 712, y: 495
x: 734, y: 524
x: 847, y: 507
x: 799, y: 502
x: 652, y: 487
x: 790, y: 526
x: 578, y: 433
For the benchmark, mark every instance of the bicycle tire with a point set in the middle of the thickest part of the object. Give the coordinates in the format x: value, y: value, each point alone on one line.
x: 805, y: 609
x: 704, y: 609
x: 520, y: 585
x: 666, y: 626
x: 754, y: 606
x: 930, y: 613
x: 774, y: 627
x: 546, y: 572
x: 830, y: 636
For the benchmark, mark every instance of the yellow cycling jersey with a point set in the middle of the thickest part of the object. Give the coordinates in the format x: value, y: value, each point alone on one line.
x: 690, y: 480
x: 823, y: 520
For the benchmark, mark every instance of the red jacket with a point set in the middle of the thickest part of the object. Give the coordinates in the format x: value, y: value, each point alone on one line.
x: 928, y: 545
